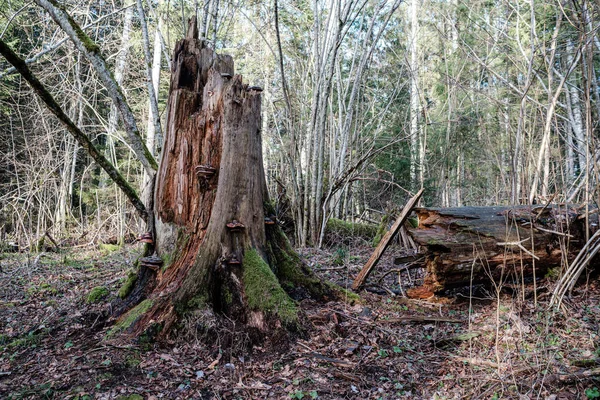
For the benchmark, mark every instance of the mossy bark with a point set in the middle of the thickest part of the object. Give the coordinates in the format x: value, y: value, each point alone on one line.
x: 251, y: 274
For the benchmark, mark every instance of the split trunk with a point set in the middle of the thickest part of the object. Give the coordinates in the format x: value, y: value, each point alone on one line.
x: 215, y: 232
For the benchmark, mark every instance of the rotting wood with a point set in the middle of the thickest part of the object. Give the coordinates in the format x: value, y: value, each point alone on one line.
x: 385, y: 241
x: 469, y: 245
x: 573, y: 376
x: 221, y: 257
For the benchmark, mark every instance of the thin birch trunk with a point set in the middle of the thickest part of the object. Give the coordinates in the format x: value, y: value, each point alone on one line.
x: 414, y: 93
x: 92, y: 52
x: 577, y: 121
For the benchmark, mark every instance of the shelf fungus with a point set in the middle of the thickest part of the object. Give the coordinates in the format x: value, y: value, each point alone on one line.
x: 146, y: 237
x: 226, y: 75
x: 205, y: 171
x: 152, y: 262
x: 255, y: 88
x: 234, y: 261
x: 235, y: 226
x: 270, y: 220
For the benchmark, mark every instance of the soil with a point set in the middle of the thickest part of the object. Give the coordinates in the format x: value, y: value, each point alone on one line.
x: 501, y: 343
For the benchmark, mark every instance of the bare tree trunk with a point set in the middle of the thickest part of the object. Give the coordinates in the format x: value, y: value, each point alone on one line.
x: 415, y: 134
x: 577, y: 122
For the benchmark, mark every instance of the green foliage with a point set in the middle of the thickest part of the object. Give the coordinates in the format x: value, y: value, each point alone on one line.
x: 340, y: 256
x: 96, y: 294
x: 592, y: 393
x: 264, y: 292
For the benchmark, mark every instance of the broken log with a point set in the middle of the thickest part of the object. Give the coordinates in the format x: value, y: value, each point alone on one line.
x: 471, y: 245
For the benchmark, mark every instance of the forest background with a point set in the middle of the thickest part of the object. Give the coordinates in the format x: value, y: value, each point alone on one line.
x: 364, y: 102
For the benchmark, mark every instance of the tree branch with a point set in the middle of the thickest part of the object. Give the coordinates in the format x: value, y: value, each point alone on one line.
x: 81, y: 137
x: 91, y: 51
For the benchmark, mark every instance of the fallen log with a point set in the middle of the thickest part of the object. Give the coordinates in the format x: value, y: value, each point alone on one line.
x: 470, y: 245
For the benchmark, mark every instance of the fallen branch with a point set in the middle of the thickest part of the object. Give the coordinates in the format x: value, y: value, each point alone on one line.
x: 385, y: 241
x: 418, y: 318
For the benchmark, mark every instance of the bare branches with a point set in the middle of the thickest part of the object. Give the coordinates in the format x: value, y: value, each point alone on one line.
x: 92, y: 52
x: 83, y: 140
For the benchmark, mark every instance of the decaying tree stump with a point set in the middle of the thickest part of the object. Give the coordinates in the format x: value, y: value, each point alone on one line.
x: 221, y: 247
x: 469, y: 245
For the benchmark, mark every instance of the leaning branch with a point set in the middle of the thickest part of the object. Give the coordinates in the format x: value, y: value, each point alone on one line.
x: 81, y: 137
x: 91, y: 51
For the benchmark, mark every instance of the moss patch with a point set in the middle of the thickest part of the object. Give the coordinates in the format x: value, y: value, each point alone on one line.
x: 108, y: 248
x: 264, y: 292
x: 338, y: 229
x: 346, y: 295
x: 131, y: 397
x: 131, y: 317
x: 128, y: 285
x: 96, y: 294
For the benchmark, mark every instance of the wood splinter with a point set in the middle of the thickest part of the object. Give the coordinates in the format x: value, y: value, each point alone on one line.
x: 520, y: 246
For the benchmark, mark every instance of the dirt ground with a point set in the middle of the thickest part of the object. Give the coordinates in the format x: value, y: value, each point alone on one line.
x: 500, y: 344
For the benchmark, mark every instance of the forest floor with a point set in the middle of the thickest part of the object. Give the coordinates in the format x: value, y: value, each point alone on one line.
x: 500, y: 344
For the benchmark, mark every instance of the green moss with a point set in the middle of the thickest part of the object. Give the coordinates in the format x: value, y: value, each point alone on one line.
x: 264, y: 292
x: 346, y: 295
x: 350, y: 230
x: 196, y: 302
x: 42, y: 289
x: 227, y: 296
x: 89, y: 44
x: 131, y: 397
x: 131, y: 317
x: 107, y: 248
x: 96, y: 294
x: 167, y: 260
x: 128, y: 285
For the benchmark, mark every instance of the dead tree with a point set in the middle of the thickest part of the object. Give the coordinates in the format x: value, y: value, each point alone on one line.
x: 218, y: 244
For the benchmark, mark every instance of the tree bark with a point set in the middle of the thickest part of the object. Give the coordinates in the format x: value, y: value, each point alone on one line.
x: 469, y: 245
x: 211, y: 178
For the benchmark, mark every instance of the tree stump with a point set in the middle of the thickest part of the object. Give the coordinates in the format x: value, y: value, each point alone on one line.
x: 215, y: 231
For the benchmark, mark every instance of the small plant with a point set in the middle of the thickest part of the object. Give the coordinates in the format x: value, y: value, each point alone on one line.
x: 382, y: 353
x: 42, y: 289
x: 340, y: 256
x: 297, y: 394
x: 592, y: 393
